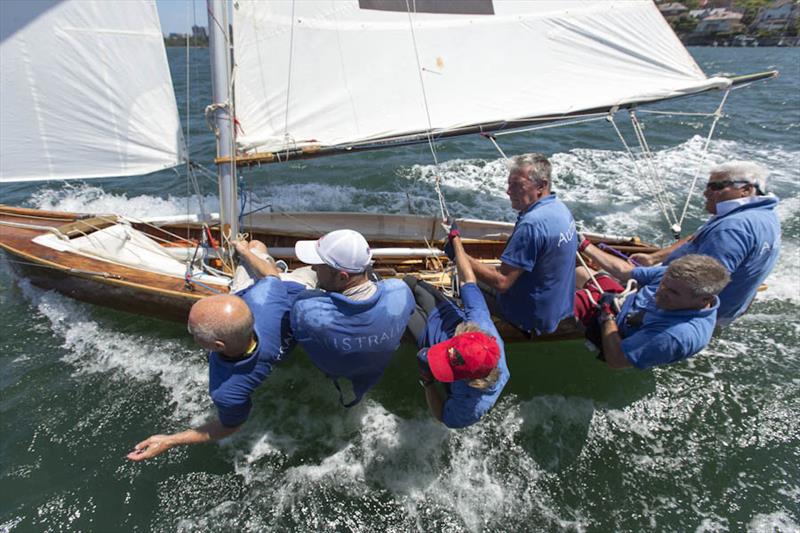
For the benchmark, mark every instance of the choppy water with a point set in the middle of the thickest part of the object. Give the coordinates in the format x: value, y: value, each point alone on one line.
x: 712, y: 444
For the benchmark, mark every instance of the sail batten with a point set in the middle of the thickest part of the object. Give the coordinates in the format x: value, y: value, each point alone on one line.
x: 335, y: 73
x: 87, y: 91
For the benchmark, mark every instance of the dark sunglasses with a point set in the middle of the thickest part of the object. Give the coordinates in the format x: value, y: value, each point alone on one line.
x: 719, y: 185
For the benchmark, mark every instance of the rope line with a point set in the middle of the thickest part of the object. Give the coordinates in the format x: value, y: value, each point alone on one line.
x: 286, y: 136
x: 494, y: 142
x: 650, y: 159
x: 658, y: 198
x: 437, y: 182
x: 676, y: 113
x: 591, y: 276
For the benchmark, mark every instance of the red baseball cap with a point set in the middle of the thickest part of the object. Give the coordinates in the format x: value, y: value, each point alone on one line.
x: 473, y: 356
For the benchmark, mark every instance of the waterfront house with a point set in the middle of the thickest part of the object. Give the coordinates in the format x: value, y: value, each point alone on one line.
x: 722, y: 21
x: 673, y: 10
x: 777, y: 16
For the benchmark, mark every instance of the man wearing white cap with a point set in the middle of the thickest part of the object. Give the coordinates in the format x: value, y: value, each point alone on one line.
x: 352, y: 328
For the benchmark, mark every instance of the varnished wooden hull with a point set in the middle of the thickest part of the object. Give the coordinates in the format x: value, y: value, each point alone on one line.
x: 87, y: 279
x: 143, y: 292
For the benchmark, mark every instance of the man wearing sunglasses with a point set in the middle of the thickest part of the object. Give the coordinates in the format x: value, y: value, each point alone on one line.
x: 743, y: 234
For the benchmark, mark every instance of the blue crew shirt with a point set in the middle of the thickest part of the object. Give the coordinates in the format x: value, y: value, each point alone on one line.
x: 652, y: 336
x: 465, y: 405
x: 747, y: 241
x: 231, y: 383
x: 543, y: 245
x: 353, y: 339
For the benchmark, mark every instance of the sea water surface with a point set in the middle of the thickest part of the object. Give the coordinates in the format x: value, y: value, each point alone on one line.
x: 710, y: 444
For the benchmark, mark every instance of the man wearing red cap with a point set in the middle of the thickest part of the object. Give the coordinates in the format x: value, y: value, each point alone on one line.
x: 461, y: 348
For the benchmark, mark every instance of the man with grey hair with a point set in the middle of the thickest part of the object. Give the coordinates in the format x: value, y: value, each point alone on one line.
x: 532, y: 288
x: 246, y: 335
x: 743, y: 234
x: 669, y: 318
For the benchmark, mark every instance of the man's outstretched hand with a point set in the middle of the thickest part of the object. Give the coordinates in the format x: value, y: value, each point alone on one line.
x: 151, y: 447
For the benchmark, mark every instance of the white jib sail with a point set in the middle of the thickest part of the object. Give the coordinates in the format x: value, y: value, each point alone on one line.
x: 86, y: 91
x: 334, y: 72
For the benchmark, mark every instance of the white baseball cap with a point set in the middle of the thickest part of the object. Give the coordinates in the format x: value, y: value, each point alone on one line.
x: 343, y: 249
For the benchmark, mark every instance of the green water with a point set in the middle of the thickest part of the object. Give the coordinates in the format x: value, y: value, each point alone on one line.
x: 711, y: 444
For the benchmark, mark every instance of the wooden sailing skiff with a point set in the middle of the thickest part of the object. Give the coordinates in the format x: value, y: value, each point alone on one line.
x: 313, y: 79
x: 399, y: 243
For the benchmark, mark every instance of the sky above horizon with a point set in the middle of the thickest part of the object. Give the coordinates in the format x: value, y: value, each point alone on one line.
x: 176, y: 15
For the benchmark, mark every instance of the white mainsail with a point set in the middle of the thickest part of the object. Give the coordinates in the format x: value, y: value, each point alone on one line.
x: 86, y: 91
x: 334, y: 72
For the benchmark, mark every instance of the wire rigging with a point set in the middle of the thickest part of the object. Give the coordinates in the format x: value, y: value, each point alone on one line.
x: 717, y: 115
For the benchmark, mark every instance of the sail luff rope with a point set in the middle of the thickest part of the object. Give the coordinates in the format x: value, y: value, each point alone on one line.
x: 636, y: 166
x: 717, y: 117
x: 438, y: 179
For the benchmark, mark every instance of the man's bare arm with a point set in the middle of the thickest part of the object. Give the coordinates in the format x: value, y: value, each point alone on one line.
x: 617, y: 267
x: 612, y: 345
x: 157, y: 444
x: 500, y: 278
x: 434, y: 399
x: 659, y: 255
x: 261, y: 268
